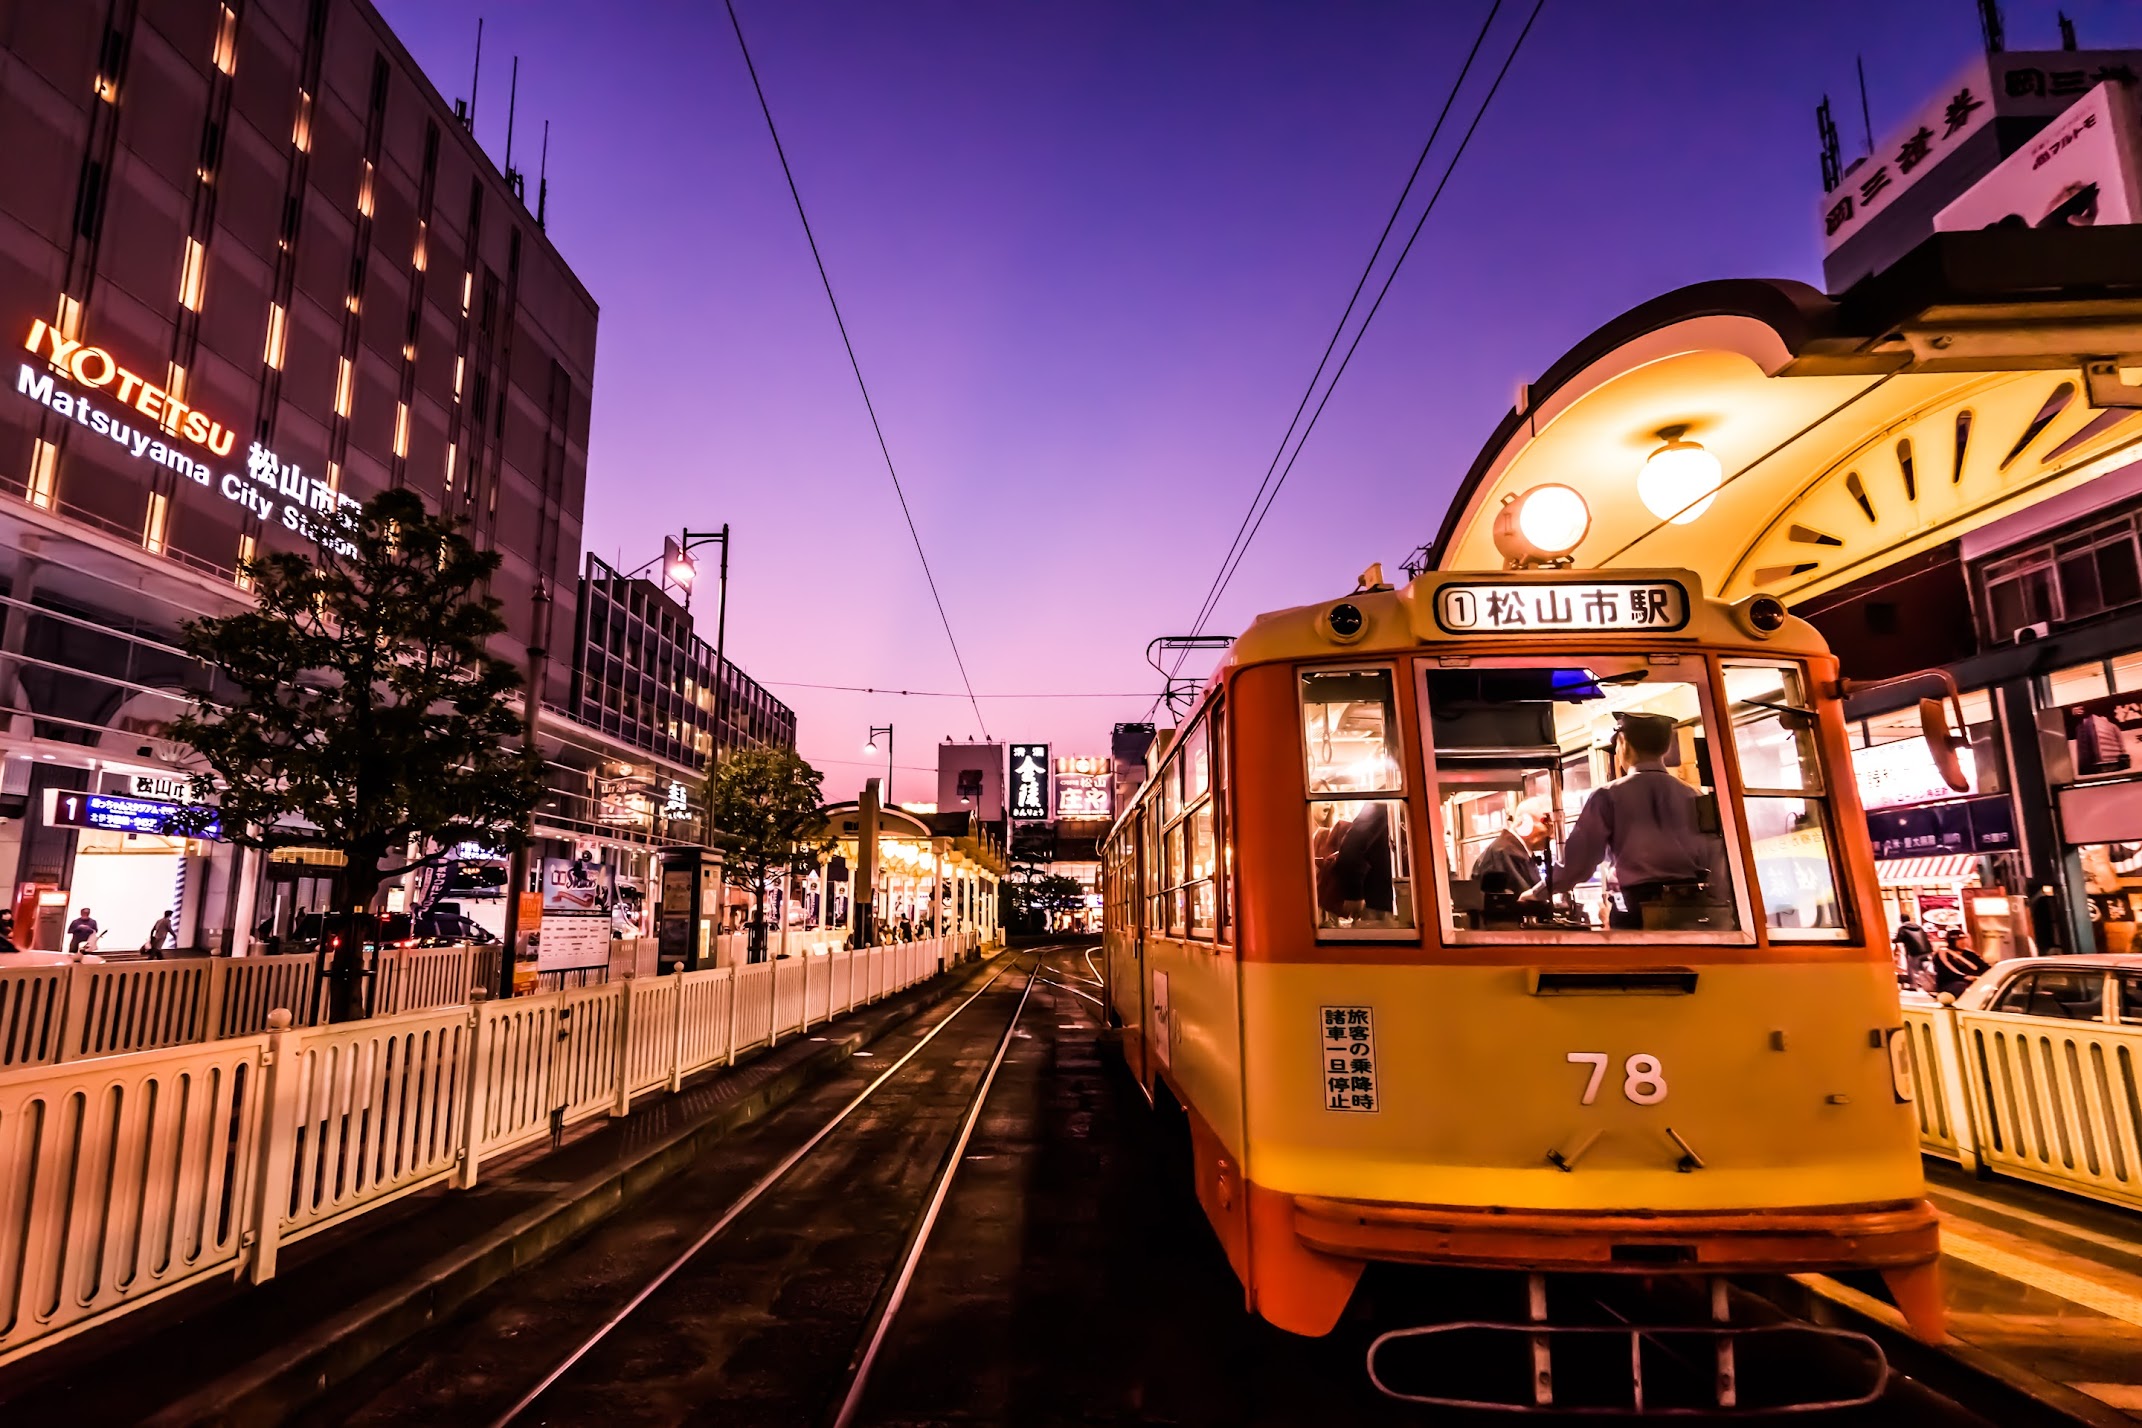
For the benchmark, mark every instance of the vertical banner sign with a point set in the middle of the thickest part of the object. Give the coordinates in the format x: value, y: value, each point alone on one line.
x: 1349, y: 1053
x: 1030, y: 781
x: 527, y: 957
x: 577, y: 897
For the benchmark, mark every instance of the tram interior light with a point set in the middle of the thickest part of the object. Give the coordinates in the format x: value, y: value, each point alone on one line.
x: 1680, y: 479
x: 1542, y: 526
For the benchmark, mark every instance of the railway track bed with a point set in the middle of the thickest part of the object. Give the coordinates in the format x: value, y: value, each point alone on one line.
x: 823, y: 1271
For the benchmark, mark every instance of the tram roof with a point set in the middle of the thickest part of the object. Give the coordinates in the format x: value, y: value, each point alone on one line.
x: 1808, y: 401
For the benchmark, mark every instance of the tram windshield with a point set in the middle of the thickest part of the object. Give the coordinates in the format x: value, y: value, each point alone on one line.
x: 1579, y: 796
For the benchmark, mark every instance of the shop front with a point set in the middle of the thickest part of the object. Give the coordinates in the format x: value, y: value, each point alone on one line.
x: 2098, y: 799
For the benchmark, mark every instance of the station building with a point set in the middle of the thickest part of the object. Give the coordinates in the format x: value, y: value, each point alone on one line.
x: 254, y: 266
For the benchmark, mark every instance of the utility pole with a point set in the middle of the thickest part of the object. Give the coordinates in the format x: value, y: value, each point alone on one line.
x: 531, y: 703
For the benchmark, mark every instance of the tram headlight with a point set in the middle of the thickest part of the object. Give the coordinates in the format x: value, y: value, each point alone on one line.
x: 1680, y: 479
x: 1542, y: 526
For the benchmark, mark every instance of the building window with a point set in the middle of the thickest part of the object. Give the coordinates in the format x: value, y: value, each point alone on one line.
x: 2065, y: 580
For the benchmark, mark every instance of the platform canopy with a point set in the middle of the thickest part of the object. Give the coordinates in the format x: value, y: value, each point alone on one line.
x: 1984, y: 373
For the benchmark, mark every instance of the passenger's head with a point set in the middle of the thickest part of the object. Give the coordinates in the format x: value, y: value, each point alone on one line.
x: 1531, y: 822
x: 1646, y: 737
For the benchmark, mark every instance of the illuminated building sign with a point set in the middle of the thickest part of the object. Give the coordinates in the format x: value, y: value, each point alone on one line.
x: 1085, y: 787
x: 1030, y: 780
x: 149, y: 424
x: 119, y: 814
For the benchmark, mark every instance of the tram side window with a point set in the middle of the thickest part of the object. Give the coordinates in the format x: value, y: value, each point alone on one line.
x: 1785, y: 800
x: 1223, y: 876
x: 1578, y: 798
x: 1362, y: 861
x: 1193, y: 860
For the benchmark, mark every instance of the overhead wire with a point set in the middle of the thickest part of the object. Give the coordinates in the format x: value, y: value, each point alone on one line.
x: 945, y: 693
x: 1384, y: 291
x: 1268, y: 490
x: 1339, y: 328
x: 884, y: 449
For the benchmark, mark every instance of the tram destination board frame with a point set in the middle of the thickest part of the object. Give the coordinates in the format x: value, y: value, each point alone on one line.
x: 1655, y: 606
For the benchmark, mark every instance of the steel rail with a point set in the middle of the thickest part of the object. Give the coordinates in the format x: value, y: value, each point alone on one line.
x: 861, y: 1377
x: 745, y: 1201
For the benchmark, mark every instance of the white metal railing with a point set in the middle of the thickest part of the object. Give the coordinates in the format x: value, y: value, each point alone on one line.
x: 2039, y: 1098
x: 127, y: 1176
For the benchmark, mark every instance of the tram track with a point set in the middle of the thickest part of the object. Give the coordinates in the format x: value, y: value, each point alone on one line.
x: 659, y: 1306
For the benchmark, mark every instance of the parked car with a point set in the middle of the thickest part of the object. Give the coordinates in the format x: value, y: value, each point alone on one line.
x: 2103, y: 988
x: 395, y: 929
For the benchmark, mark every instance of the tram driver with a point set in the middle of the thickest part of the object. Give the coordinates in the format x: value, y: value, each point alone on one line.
x: 1646, y: 824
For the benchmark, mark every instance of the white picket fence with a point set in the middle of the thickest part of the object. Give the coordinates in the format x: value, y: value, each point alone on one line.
x: 127, y: 1177
x: 2044, y: 1099
x: 55, y: 1014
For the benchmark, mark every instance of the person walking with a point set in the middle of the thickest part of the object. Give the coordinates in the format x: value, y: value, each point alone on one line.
x: 81, y: 932
x: 161, y: 935
x: 1914, y: 948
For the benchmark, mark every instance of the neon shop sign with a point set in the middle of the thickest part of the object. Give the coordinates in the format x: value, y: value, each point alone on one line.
x: 148, y: 423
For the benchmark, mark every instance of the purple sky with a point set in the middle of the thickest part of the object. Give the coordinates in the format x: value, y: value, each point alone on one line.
x: 1089, y: 254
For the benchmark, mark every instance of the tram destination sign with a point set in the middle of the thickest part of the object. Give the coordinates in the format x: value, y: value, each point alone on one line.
x: 1583, y: 606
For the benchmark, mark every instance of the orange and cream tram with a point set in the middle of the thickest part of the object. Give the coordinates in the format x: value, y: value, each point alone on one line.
x: 1388, y: 1051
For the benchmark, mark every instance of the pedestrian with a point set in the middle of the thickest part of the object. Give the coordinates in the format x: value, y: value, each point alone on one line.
x: 81, y: 932
x: 1914, y: 948
x: 161, y: 935
x: 1957, y: 965
x: 7, y: 931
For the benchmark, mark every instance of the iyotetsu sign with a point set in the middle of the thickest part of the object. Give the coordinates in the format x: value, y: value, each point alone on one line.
x: 1030, y: 781
x: 149, y: 424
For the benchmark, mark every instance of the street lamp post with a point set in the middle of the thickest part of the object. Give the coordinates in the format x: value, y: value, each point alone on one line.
x: 872, y: 747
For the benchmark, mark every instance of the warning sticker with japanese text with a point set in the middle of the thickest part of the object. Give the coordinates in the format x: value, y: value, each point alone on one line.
x: 1349, y: 1051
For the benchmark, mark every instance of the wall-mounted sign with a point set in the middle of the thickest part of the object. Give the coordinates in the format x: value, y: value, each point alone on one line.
x: 2080, y: 171
x: 1532, y: 607
x: 65, y: 808
x: 1970, y: 825
x: 2007, y: 85
x: 1030, y: 780
x: 2105, y: 735
x: 1903, y: 772
x: 1084, y: 795
x: 148, y: 424
x: 621, y: 802
x: 169, y: 787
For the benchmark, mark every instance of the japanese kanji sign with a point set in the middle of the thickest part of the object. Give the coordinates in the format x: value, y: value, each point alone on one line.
x: 1347, y: 1045
x: 1504, y: 608
x: 2010, y: 85
x: 1030, y: 780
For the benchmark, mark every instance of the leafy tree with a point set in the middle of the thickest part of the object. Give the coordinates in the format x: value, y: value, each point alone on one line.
x: 768, y: 814
x: 1039, y: 894
x: 359, y: 696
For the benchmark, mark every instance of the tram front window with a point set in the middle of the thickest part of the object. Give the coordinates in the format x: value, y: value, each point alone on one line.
x: 1357, y: 808
x: 1578, y: 798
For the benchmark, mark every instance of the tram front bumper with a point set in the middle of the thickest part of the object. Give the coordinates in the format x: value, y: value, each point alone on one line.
x: 1894, y: 1235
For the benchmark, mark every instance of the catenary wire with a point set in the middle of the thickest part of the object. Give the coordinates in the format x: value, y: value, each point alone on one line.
x: 1383, y: 292
x: 940, y: 693
x: 869, y: 406
x: 1212, y: 592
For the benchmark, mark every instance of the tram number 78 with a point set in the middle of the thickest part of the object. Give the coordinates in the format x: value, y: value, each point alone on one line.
x: 1643, y: 1080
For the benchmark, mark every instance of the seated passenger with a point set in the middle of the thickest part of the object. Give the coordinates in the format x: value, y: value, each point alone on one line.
x: 1644, y: 823
x: 1507, y: 864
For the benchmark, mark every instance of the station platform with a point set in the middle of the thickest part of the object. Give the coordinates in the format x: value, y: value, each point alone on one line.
x: 2047, y: 1282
